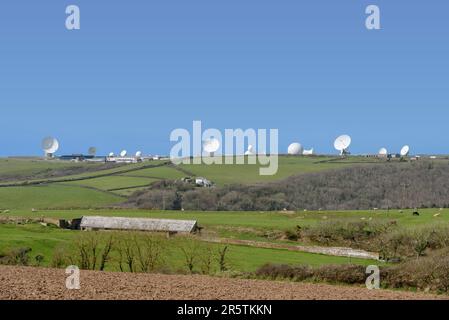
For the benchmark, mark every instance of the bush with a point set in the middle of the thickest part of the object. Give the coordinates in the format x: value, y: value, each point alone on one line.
x: 353, y: 188
x: 348, y: 274
x: 16, y: 257
x: 425, y: 273
x: 274, y: 272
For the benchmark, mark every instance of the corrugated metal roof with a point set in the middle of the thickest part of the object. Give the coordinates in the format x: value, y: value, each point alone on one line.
x: 140, y: 224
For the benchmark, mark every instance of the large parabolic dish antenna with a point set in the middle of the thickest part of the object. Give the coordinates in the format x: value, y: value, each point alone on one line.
x: 139, y: 154
x: 405, y: 151
x: 123, y: 153
x: 342, y: 144
x: 211, y: 146
x: 50, y: 145
x: 295, y: 149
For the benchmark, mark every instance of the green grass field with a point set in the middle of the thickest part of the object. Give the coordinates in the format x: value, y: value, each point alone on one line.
x: 247, y: 174
x: 92, y: 192
x: 261, y: 220
x: 54, y: 196
x: 113, y: 182
x: 18, y: 168
x: 44, y: 240
x: 125, y: 179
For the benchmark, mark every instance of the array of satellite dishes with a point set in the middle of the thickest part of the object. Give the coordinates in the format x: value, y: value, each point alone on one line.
x: 50, y: 145
x: 210, y: 146
x: 342, y: 144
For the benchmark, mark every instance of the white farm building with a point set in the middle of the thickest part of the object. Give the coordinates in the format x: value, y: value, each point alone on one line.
x: 138, y: 224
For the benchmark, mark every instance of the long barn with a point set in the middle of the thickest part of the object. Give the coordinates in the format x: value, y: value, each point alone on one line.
x: 138, y: 224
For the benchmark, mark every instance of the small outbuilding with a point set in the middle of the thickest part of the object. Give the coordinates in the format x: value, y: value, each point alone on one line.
x: 139, y: 224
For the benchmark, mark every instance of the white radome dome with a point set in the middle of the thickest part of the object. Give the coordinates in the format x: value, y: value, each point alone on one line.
x: 295, y: 149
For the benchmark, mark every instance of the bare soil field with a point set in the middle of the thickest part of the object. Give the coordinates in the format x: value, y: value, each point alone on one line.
x: 22, y: 283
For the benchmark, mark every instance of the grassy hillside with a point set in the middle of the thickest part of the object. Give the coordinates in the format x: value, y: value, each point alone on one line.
x: 288, y: 166
x: 79, y: 189
x: 13, y: 169
x: 258, y: 220
x: 54, y: 196
x: 114, y: 182
x: 44, y: 240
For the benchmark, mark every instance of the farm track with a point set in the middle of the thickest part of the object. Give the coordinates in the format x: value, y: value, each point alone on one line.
x: 27, y: 283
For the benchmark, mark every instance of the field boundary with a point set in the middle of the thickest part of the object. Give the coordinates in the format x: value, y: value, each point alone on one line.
x: 328, y: 251
x: 62, y: 180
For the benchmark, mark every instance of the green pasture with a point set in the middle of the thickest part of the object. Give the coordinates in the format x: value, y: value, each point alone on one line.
x: 15, y: 167
x: 257, y: 220
x: 43, y: 240
x: 246, y: 173
x: 54, y: 196
x: 113, y: 182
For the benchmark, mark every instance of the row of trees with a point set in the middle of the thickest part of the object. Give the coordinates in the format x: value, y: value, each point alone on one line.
x: 387, y: 186
x: 141, y: 252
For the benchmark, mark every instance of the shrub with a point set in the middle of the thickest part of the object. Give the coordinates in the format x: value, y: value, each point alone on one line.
x: 16, y: 257
x: 425, y: 273
x: 274, y: 272
x: 347, y: 273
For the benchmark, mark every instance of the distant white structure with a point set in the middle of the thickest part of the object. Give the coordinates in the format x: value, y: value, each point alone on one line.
x: 405, y: 151
x: 203, y: 182
x: 383, y: 152
x: 124, y: 158
x: 295, y: 149
x: 50, y: 145
x: 138, y: 224
x: 250, y: 151
x: 309, y: 152
x: 342, y: 144
x: 211, y: 146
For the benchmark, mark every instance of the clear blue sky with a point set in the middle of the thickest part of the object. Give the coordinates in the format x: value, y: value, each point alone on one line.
x: 138, y: 69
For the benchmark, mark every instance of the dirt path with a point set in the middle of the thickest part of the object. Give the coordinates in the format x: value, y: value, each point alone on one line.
x: 45, y: 284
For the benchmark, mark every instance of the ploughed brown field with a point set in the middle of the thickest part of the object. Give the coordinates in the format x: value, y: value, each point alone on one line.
x: 42, y: 284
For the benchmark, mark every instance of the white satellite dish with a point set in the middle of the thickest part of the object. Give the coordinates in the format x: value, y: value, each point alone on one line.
x: 250, y: 150
x: 211, y: 146
x: 123, y: 153
x: 342, y: 144
x: 405, y: 151
x: 138, y: 154
x: 308, y: 152
x: 50, y: 145
x: 111, y: 155
x: 295, y: 149
x: 383, y: 152
x: 92, y: 151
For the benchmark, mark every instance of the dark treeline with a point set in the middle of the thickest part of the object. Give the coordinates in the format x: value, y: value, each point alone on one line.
x: 389, y: 186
